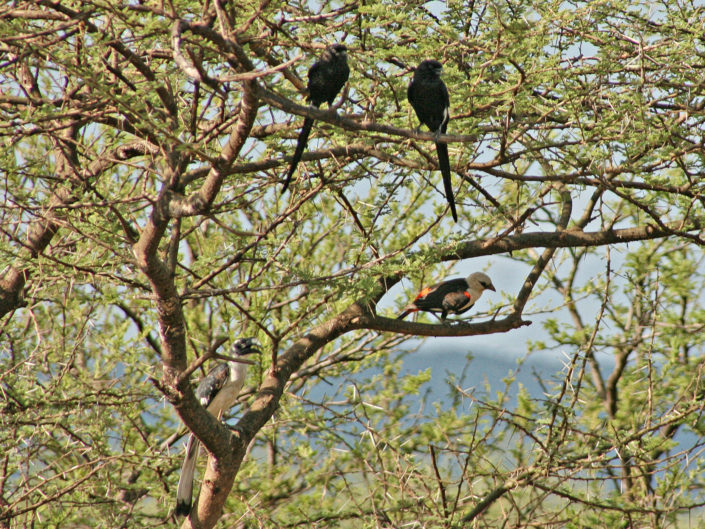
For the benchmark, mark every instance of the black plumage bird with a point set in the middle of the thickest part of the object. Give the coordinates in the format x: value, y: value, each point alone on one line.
x: 429, y: 97
x: 454, y: 296
x: 217, y: 392
x: 325, y: 79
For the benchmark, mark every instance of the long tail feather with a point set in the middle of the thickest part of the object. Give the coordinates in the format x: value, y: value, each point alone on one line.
x: 300, y: 147
x: 184, y: 492
x: 444, y: 164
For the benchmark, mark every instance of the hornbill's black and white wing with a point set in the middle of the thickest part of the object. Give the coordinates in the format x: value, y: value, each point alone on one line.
x: 217, y: 392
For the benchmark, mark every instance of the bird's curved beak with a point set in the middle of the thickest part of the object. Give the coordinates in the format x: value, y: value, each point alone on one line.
x: 254, y: 348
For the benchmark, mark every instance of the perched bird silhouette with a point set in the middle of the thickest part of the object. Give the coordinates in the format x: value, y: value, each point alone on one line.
x: 454, y: 296
x: 325, y: 79
x: 217, y: 392
x: 429, y: 97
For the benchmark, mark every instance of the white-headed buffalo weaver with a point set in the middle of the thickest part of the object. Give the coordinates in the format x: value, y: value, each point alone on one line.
x: 454, y: 296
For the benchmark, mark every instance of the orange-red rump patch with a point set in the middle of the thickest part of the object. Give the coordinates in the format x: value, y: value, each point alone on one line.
x: 424, y: 292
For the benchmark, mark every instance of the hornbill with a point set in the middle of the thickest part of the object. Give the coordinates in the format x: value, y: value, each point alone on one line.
x: 454, y: 296
x: 428, y: 94
x: 217, y: 392
x: 325, y: 79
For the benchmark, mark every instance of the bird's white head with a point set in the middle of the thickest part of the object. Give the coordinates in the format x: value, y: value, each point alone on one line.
x: 479, y: 282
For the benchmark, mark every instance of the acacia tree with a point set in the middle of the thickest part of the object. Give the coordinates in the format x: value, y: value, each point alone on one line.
x: 143, y: 225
